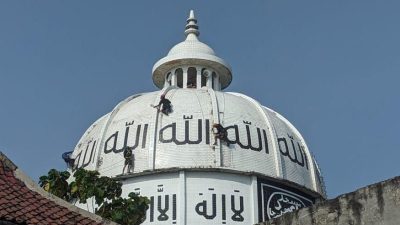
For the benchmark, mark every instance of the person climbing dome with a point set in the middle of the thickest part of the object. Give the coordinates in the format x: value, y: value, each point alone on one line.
x: 129, y: 158
x: 166, y: 105
x: 220, y: 133
x: 67, y: 156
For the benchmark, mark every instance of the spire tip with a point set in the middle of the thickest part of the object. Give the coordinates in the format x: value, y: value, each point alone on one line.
x: 191, y: 14
x: 191, y: 25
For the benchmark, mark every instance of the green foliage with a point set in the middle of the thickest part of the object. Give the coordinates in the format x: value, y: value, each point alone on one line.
x: 118, y: 209
x: 56, y: 183
x: 88, y: 184
x: 105, y: 191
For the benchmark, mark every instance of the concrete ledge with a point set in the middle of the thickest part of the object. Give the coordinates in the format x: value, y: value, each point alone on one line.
x: 223, y: 170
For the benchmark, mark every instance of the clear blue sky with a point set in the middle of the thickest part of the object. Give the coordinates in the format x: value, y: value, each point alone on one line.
x: 331, y: 67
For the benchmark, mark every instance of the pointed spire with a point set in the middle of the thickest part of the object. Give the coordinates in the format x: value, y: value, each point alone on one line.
x: 191, y: 28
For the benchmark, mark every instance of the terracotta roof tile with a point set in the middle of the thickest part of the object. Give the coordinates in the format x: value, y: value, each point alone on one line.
x: 20, y: 204
x: 63, y: 219
x: 34, y: 220
x: 85, y: 221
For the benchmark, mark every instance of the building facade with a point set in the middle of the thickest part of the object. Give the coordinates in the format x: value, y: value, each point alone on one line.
x: 260, y: 170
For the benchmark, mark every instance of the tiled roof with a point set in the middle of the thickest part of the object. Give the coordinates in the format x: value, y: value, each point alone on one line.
x: 23, y: 202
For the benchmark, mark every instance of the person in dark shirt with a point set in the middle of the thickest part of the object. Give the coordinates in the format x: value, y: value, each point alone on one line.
x: 165, y: 105
x: 128, y: 155
x: 67, y: 156
x: 220, y: 133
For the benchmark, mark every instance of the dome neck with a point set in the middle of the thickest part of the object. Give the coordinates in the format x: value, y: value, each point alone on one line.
x: 193, y: 77
x: 191, y: 37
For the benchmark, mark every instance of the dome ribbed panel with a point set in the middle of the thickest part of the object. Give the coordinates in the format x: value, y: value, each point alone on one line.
x: 296, y: 163
x: 244, y: 114
x: 195, y: 106
x: 226, y: 153
x: 88, y: 147
x: 135, y: 115
x: 320, y: 183
x: 191, y: 46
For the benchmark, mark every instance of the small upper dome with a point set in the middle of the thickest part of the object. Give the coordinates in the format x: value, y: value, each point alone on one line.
x: 190, y: 46
x: 191, y: 52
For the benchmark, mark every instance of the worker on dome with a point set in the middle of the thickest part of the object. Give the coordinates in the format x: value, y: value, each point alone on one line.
x: 129, y: 158
x: 220, y: 133
x: 166, y: 105
x: 67, y: 156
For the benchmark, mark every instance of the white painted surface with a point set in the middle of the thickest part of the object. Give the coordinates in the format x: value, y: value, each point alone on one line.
x: 260, y: 141
x: 195, y: 107
x: 193, y: 190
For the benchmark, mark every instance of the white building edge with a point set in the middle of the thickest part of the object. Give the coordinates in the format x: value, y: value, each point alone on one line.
x: 265, y: 171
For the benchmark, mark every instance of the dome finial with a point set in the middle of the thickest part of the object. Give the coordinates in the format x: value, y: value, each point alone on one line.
x: 191, y: 26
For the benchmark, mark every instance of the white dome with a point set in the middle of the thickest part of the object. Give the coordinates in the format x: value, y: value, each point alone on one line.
x: 190, y: 46
x: 261, y: 171
x: 261, y: 140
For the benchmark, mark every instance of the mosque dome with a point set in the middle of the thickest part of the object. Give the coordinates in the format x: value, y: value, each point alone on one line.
x: 179, y: 162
